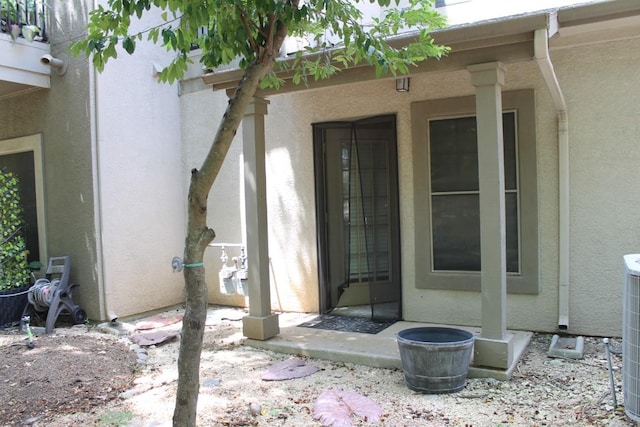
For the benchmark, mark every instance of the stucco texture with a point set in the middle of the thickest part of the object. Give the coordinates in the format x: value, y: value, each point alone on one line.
x: 61, y: 115
x: 600, y: 83
x: 596, y: 81
x: 139, y: 180
x: 112, y: 172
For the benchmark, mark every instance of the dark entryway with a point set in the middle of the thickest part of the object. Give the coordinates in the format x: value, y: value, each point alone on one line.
x: 22, y: 165
x: 357, y: 211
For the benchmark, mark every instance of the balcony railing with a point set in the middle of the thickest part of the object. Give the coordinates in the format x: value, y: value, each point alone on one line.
x: 24, y: 19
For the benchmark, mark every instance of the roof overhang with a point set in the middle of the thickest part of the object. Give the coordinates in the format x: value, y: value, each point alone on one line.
x: 508, y: 39
x: 20, y: 67
x: 598, y: 12
x: 600, y: 22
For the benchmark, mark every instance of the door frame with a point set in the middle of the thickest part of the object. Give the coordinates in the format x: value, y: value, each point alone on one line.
x: 322, y: 229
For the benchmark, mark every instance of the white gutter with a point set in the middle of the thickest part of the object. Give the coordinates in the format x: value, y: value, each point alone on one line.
x: 97, y: 205
x: 541, y: 52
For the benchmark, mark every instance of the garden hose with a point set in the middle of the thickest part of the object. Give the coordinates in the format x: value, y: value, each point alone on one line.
x: 42, y: 292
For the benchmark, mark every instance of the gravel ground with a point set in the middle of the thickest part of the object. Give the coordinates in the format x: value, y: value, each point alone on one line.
x: 543, y: 391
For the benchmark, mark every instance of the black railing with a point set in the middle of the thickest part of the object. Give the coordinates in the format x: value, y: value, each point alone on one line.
x: 201, y: 32
x: 19, y: 18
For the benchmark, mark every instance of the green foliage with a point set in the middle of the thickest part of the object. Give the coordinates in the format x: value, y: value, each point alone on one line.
x: 243, y: 30
x: 17, y: 18
x: 115, y: 418
x: 14, y: 269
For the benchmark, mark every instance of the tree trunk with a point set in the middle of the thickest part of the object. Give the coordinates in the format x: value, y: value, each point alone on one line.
x: 198, y: 238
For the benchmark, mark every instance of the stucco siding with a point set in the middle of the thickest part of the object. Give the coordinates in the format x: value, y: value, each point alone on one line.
x: 68, y: 166
x: 118, y: 148
x: 380, y: 97
x: 200, y: 115
x: 464, y: 308
x: 62, y: 115
x: 600, y: 82
x: 139, y: 179
x: 291, y: 205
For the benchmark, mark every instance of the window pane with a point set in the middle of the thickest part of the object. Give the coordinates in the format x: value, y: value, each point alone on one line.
x: 509, y: 138
x: 456, y: 232
x: 454, y: 154
x: 455, y: 218
x: 513, y: 244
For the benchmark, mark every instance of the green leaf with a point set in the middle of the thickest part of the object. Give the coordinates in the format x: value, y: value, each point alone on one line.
x: 241, y: 31
x: 129, y: 45
x: 14, y: 270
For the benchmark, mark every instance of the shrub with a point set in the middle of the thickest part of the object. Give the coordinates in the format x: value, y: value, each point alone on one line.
x: 14, y: 269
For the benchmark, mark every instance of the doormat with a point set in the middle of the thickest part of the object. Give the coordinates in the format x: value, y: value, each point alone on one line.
x: 363, y: 325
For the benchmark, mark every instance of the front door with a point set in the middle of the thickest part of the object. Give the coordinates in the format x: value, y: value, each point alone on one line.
x: 358, y: 226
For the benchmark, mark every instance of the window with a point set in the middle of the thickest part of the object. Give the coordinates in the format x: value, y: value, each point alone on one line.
x: 447, y: 214
x: 455, y: 210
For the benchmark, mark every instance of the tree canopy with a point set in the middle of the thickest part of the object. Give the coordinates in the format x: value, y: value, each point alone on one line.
x: 243, y: 31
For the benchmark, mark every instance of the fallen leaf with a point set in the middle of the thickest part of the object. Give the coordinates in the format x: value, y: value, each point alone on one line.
x: 158, y: 321
x: 334, y: 408
x: 288, y: 369
x: 330, y: 410
x: 361, y: 405
x: 153, y: 338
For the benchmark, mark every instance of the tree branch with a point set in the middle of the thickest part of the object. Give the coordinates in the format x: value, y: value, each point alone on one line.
x: 245, y: 24
x: 268, y: 43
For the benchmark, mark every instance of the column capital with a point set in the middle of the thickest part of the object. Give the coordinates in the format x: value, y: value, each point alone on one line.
x: 487, y: 74
x: 257, y: 106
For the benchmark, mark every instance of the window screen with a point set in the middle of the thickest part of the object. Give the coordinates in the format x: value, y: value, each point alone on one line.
x: 455, y: 195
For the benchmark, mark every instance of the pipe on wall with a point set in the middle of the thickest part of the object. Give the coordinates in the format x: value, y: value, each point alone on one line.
x: 106, y: 311
x: 541, y: 52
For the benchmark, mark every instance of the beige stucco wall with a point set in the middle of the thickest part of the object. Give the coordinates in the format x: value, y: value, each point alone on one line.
x: 601, y: 86
x: 61, y: 115
x: 290, y: 208
x: 139, y: 181
x: 112, y: 170
x: 200, y: 114
x: 597, y: 83
x: 536, y: 312
x: 380, y: 97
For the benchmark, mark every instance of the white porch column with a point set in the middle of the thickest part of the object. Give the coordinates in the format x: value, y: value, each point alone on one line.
x: 494, y: 348
x: 260, y: 324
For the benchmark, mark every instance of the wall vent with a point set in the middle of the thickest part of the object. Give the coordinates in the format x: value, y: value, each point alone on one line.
x: 631, y: 337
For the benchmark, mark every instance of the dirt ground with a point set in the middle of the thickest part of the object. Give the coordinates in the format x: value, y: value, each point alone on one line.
x: 81, y: 377
x: 62, y: 374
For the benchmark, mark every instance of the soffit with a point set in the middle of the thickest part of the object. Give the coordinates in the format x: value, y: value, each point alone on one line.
x: 598, y: 23
x: 598, y: 12
x: 505, y: 40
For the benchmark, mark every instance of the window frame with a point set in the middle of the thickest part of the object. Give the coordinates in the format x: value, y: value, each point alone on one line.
x: 32, y: 143
x: 524, y: 282
x: 444, y: 193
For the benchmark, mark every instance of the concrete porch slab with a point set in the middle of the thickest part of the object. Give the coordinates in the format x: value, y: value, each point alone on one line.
x: 375, y: 350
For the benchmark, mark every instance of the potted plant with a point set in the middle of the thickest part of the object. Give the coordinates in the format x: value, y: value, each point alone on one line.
x: 18, y: 17
x: 15, y: 275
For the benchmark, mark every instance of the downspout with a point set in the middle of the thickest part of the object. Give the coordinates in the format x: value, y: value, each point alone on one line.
x: 541, y: 52
x: 105, y: 311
